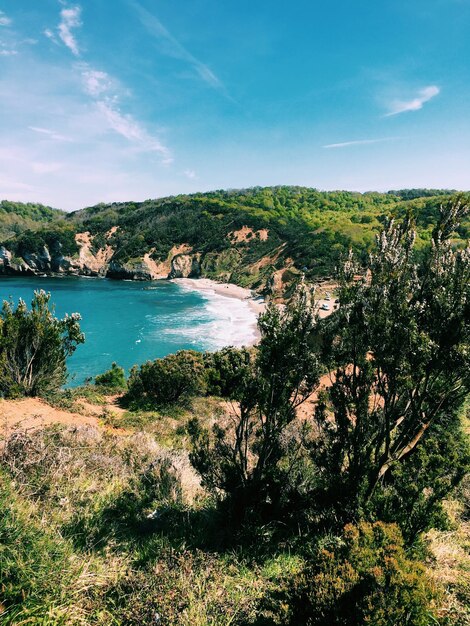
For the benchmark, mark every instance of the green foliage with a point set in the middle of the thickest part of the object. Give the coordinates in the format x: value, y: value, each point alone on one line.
x: 415, y: 490
x: 16, y: 217
x: 34, y: 566
x: 364, y: 577
x: 243, y: 461
x: 226, y: 371
x: 171, y: 380
x: 399, y: 348
x: 60, y: 238
x: 33, y: 211
x: 311, y: 227
x: 34, y: 346
x: 114, y: 378
x: 411, y: 194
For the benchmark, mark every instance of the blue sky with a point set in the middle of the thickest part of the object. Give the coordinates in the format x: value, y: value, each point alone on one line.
x: 134, y: 99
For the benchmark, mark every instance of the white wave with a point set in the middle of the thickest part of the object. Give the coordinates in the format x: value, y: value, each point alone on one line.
x: 224, y: 321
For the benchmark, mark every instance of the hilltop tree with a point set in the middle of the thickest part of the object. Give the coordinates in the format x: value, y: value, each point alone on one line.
x: 399, y: 350
x: 34, y: 346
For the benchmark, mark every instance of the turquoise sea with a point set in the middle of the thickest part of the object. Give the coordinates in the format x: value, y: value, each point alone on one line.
x: 132, y: 322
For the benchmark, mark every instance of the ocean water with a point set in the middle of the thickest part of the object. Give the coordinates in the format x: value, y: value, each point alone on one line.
x: 132, y: 322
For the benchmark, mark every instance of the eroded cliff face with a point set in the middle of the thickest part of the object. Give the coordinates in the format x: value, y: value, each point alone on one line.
x: 181, y: 262
x: 266, y: 274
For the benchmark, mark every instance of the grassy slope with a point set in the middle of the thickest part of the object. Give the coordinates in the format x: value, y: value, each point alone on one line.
x: 76, y: 546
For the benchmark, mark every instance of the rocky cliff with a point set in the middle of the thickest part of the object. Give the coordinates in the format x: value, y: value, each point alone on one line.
x: 100, y: 258
x: 100, y: 262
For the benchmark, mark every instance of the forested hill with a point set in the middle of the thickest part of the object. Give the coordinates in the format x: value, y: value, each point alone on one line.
x: 258, y: 237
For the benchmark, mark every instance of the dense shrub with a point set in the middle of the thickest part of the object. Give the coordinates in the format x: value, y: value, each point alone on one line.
x: 114, y: 378
x: 362, y: 577
x: 437, y: 466
x: 398, y: 347
x: 171, y: 380
x: 226, y: 371
x: 34, y: 346
x: 249, y: 461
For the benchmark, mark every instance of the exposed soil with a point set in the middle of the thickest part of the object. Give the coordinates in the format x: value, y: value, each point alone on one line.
x: 33, y: 413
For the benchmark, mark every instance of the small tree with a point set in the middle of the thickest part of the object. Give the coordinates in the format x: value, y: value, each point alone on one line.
x: 399, y: 348
x: 171, y: 380
x: 34, y: 346
x: 243, y: 461
x: 115, y: 378
x: 226, y: 371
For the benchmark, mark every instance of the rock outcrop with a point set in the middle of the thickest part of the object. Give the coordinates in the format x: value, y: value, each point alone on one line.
x: 185, y: 266
x: 94, y: 261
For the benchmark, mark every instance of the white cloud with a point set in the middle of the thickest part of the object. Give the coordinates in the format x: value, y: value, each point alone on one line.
x: 5, y: 52
x: 76, y: 139
x: 173, y: 48
x: 130, y: 129
x: 4, y: 20
x: 50, y: 35
x: 358, y: 142
x: 50, y: 133
x: 191, y: 174
x: 96, y: 82
x: 70, y: 19
x: 402, y: 106
x: 41, y: 167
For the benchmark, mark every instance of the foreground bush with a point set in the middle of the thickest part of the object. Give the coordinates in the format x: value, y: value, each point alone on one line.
x: 243, y: 461
x: 115, y: 378
x: 34, y: 346
x: 226, y: 371
x: 399, y: 349
x: 171, y: 380
x: 363, y: 577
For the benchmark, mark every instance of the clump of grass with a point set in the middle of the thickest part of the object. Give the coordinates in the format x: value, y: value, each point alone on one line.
x: 449, y: 552
x: 37, y: 570
x: 69, y: 399
x: 78, y: 547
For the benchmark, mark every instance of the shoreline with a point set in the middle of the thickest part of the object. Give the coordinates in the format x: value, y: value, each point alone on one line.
x: 206, y: 285
x: 255, y: 303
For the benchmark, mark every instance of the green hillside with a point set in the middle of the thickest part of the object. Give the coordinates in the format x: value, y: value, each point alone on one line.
x: 285, y: 227
x: 16, y: 217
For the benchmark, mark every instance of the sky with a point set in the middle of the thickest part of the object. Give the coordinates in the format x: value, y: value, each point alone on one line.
x: 104, y: 101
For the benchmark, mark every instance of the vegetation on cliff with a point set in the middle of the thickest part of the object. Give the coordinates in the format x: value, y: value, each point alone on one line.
x: 252, y: 237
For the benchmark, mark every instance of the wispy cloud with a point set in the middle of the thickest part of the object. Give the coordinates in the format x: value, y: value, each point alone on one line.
x: 51, y: 134
x: 73, y: 103
x: 191, y: 174
x: 45, y: 167
x: 415, y: 104
x: 358, y: 142
x: 107, y: 93
x: 173, y: 48
x: 130, y: 129
x: 96, y: 82
x: 70, y: 20
x: 4, y: 19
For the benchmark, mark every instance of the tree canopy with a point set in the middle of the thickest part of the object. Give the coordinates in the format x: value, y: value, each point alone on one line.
x: 34, y: 346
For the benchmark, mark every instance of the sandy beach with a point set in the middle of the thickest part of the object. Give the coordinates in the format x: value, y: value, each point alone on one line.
x: 255, y: 302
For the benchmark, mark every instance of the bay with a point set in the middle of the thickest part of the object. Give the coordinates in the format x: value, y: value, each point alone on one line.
x: 132, y: 322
